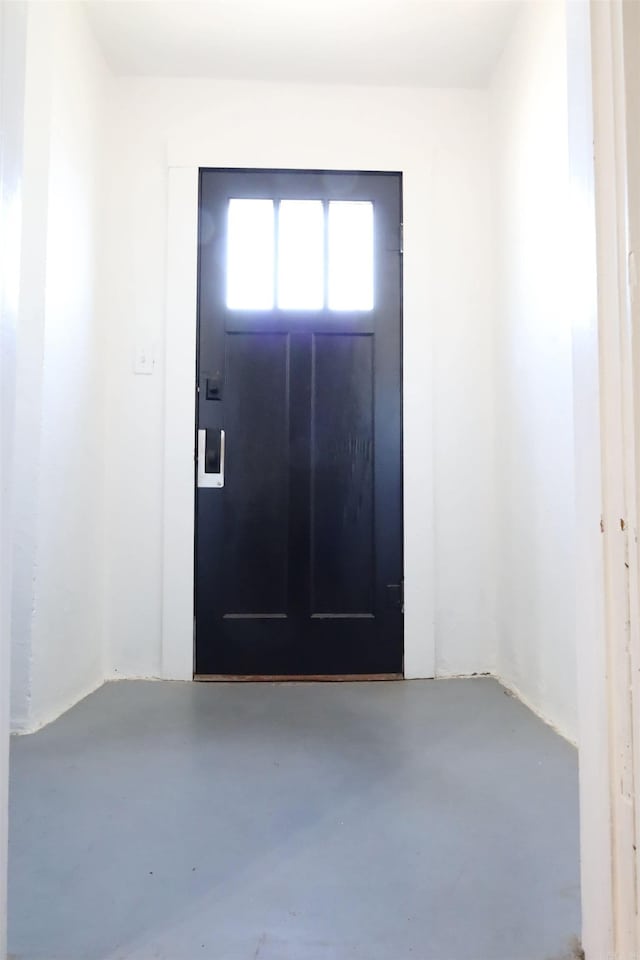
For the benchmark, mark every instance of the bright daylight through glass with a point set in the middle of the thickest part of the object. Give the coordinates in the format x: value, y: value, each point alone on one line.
x: 301, y: 255
x: 301, y: 263
x: 250, y: 253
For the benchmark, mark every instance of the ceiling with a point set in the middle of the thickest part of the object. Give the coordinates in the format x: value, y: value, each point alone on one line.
x: 389, y: 42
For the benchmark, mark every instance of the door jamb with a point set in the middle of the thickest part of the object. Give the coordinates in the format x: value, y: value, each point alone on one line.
x: 178, y: 568
x: 607, y: 416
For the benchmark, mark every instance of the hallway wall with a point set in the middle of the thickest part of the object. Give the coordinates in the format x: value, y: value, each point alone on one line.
x: 536, y: 652
x: 488, y: 486
x: 12, y: 66
x: 439, y: 139
x: 58, y: 617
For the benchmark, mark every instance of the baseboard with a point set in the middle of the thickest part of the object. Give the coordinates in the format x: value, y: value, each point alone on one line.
x: 517, y: 694
x: 32, y: 725
x: 25, y: 727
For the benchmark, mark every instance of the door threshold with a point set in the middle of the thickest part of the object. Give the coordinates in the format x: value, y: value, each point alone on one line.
x: 296, y: 678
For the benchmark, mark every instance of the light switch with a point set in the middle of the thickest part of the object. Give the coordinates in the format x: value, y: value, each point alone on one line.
x: 144, y: 361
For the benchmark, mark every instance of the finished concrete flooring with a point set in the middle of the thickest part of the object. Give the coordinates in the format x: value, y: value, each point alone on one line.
x: 422, y: 820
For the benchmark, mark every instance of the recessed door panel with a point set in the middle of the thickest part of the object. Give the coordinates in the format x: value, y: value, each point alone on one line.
x: 342, y: 454
x: 256, y: 516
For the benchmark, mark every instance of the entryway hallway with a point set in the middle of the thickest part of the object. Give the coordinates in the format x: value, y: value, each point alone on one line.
x: 420, y: 820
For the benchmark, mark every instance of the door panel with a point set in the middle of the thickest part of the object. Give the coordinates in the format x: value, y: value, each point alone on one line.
x: 299, y: 554
x: 256, y: 512
x: 343, y: 570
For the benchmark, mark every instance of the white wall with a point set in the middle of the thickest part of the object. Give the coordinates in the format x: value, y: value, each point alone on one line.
x: 534, y: 403
x: 438, y: 139
x: 58, y: 598
x: 12, y: 51
x: 488, y: 485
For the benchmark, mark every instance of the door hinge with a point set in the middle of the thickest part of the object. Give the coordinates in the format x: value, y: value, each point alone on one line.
x: 395, y: 595
x: 396, y: 241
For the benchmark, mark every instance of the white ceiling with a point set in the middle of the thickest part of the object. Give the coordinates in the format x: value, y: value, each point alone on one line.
x: 389, y: 42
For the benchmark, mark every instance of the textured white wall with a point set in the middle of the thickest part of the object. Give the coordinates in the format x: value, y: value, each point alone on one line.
x: 58, y: 597
x: 535, y: 506
x: 439, y: 139
x: 12, y: 56
x: 35, y: 179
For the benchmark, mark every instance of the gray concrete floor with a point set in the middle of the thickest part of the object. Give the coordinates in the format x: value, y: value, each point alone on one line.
x: 425, y: 820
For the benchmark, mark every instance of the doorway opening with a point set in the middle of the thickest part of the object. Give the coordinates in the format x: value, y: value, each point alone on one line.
x: 298, y: 529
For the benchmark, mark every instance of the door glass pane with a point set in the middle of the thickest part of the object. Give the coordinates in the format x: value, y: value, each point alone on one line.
x: 301, y: 255
x: 250, y: 252
x: 350, y: 255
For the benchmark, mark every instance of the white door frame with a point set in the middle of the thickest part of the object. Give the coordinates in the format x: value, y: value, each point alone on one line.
x: 178, y: 569
x: 179, y: 440
x: 607, y: 417
x: 185, y: 162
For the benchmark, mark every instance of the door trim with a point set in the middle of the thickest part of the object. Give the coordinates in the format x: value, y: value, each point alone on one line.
x: 602, y: 46
x: 178, y: 569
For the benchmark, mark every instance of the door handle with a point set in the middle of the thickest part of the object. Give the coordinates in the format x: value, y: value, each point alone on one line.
x: 211, y: 458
